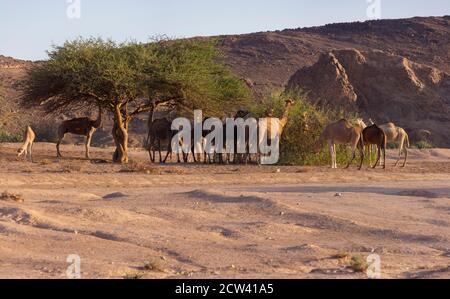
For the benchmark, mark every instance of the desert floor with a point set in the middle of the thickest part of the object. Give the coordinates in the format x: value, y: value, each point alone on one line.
x: 180, y: 221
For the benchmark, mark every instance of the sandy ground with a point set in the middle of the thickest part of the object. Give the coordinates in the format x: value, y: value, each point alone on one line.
x: 221, y: 221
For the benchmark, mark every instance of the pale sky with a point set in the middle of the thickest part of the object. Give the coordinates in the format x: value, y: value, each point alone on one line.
x: 29, y: 28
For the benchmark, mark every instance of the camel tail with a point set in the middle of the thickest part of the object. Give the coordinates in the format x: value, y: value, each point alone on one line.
x: 361, y: 140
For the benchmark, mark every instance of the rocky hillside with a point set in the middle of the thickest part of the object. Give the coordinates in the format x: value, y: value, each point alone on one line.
x: 393, y: 70
x: 269, y: 59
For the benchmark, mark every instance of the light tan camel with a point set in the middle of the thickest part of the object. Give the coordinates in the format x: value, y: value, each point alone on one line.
x: 28, y: 141
x: 342, y: 132
x: 283, y: 121
x: 289, y: 104
x: 79, y: 126
x: 397, y: 134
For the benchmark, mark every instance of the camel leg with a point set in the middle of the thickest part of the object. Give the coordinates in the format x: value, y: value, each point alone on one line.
x: 88, y: 144
x: 331, y: 147
x: 361, y: 152
x: 378, y: 157
x: 31, y: 152
x: 354, y: 146
x: 405, y: 150
x: 335, y: 157
x: 58, y: 152
x: 159, y: 151
x: 169, y: 152
x: 400, y: 150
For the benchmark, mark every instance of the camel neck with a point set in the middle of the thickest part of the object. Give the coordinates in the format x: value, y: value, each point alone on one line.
x: 98, y: 121
x: 285, y: 117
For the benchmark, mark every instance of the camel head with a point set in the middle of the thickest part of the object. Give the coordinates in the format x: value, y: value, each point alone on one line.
x: 20, y: 152
x: 242, y: 113
x: 361, y: 123
x: 290, y: 102
x: 318, y: 147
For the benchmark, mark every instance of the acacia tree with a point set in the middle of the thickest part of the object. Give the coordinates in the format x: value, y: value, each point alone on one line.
x: 130, y: 78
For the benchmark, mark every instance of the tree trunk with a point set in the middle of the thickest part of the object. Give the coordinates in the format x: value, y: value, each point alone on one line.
x: 120, y: 135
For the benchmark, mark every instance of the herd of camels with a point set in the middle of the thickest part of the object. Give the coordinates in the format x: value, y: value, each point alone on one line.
x: 360, y: 137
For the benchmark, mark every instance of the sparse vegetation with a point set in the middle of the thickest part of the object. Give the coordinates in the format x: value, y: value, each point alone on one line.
x: 70, y: 168
x: 306, y: 124
x: 423, y: 145
x: 154, y: 265
x: 7, y: 196
x: 6, y: 116
x: 358, y: 263
x: 141, y: 167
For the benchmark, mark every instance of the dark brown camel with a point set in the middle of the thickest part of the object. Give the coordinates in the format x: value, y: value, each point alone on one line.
x: 374, y: 135
x: 159, y: 130
x: 79, y: 126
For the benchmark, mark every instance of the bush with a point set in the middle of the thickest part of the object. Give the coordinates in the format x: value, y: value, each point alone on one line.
x: 306, y: 124
x: 424, y: 145
x: 7, y: 137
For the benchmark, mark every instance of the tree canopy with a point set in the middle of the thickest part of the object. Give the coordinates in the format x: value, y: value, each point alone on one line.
x: 131, y: 78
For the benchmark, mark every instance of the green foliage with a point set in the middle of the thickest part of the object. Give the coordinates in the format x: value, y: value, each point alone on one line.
x: 305, y: 125
x: 190, y: 74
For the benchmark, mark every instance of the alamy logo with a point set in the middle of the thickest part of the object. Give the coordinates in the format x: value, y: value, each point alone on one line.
x: 374, y: 9
x: 73, y: 9
x: 74, y: 269
x: 374, y: 266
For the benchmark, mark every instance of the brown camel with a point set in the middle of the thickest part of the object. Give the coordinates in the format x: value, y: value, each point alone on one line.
x: 374, y: 135
x: 27, y: 147
x: 342, y: 132
x: 79, y: 126
x: 159, y: 130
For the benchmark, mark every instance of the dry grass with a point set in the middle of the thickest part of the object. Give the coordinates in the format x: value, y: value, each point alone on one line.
x: 70, y: 168
x: 154, y: 265
x: 6, y: 196
x: 141, y: 167
x: 358, y: 263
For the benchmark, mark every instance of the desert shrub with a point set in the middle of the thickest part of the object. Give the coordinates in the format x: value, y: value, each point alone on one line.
x: 423, y: 145
x: 5, y: 136
x: 7, y: 196
x: 6, y: 117
x: 358, y: 263
x: 306, y: 124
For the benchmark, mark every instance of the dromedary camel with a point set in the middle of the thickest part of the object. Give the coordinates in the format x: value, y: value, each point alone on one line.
x: 342, y: 132
x: 84, y: 126
x: 397, y: 134
x: 373, y: 135
x: 159, y: 130
x: 28, y: 141
x: 289, y: 104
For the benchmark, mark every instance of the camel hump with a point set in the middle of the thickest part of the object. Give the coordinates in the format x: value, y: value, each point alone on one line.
x: 345, y: 123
